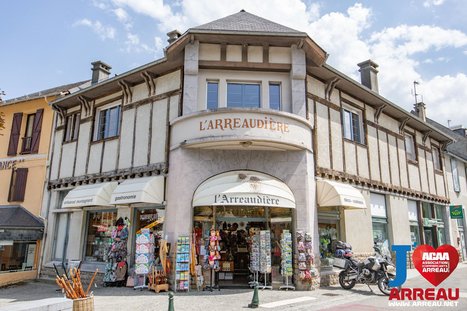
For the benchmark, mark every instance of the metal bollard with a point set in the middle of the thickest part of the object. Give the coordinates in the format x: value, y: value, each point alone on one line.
x: 171, y: 301
x: 255, y: 301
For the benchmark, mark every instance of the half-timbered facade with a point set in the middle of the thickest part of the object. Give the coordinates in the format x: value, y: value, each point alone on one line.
x: 242, y: 126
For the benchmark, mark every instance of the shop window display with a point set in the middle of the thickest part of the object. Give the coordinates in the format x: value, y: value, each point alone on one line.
x: 237, y: 225
x: 116, y: 268
x: 18, y: 256
x: 380, y: 233
x: 327, y: 235
x: 99, y: 235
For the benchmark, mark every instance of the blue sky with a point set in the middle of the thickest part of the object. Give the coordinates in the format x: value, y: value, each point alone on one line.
x: 50, y: 42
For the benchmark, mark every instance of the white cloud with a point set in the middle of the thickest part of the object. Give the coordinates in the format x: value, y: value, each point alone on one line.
x: 347, y: 36
x: 121, y: 14
x: 105, y: 32
x: 429, y: 3
x: 99, y: 4
x: 445, y: 97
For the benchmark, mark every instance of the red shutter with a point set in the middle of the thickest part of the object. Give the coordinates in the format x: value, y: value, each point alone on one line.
x: 36, y: 131
x: 15, y: 133
x: 18, y: 188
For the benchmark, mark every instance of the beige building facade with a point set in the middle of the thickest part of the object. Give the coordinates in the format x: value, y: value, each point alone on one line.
x: 24, y: 146
x: 241, y: 130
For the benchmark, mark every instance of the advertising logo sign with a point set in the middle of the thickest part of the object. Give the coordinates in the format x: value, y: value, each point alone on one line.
x: 435, y: 265
x: 456, y: 212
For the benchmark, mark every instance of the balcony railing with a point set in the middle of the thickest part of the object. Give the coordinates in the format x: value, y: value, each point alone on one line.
x: 26, y: 144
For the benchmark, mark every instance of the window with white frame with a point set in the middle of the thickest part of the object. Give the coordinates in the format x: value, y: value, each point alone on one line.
x: 243, y: 95
x: 437, y: 158
x: 275, y: 96
x: 107, y: 123
x: 455, y: 175
x: 72, y: 127
x: 352, y: 121
x: 410, y: 147
x: 212, y: 95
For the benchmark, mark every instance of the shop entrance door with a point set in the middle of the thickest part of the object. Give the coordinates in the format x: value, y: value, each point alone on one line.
x: 464, y: 251
x: 429, y: 237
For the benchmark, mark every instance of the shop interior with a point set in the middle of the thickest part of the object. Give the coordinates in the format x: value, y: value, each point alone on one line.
x: 236, y: 226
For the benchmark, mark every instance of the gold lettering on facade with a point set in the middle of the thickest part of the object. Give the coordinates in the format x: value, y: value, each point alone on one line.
x: 236, y: 123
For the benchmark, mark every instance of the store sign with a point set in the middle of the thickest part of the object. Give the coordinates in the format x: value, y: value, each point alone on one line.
x: 246, y: 199
x: 75, y: 202
x: 225, y: 124
x: 242, y: 129
x: 456, y: 212
x: 9, y: 164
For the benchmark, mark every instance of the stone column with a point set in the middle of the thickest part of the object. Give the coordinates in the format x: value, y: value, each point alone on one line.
x: 303, y: 185
x: 190, y: 85
x: 297, y: 81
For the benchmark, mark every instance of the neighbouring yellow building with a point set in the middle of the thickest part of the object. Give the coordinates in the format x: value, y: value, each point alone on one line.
x: 24, y: 148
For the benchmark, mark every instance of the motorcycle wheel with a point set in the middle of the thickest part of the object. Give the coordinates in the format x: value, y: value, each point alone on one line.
x: 346, y: 284
x: 383, y: 284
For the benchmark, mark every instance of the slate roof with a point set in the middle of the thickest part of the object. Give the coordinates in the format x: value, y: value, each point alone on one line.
x: 16, y: 216
x: 47, y: 92
x: 246, y: 22
x: 459, y: 146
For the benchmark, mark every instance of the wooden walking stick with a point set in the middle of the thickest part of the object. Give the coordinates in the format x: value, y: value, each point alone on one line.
x: 90, y: 283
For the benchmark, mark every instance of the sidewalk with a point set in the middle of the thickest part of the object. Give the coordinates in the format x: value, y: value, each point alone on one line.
x: 330, y: 298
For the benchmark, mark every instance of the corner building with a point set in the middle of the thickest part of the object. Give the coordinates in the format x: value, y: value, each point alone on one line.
x: 242, y: 126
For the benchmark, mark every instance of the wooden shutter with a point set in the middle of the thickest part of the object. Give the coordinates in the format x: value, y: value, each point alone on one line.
x: 36, y: 131
x: 18, y: 186
x: 15, y: 133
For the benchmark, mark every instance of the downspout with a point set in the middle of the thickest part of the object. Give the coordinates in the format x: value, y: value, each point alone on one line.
x: 45, y: 216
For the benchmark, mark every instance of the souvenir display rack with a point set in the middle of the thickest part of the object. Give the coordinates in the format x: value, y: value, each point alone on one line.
x: 144, y: 257
x: 305, y: 260
x: 182, y: 264
x: 254, y: 259
x: 212, y: 259
x: 286, y: 263
x: 265, y: 256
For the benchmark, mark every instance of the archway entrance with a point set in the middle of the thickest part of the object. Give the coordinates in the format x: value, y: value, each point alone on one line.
x: 240, y: 205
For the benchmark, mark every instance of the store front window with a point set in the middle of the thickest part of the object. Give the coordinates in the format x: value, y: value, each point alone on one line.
x: 237, y: 225
x: 328, y: 230
x: 17, y: 255
x: 152, y: 219
x: 433, y: 224
x: 412, y: 207
x: 98, y: 235
x: 379, y: 219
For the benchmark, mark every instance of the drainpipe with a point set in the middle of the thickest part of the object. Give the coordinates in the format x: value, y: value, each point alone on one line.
x: 45, y: 191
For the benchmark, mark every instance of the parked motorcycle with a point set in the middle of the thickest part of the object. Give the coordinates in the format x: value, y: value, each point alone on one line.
x: 374, y: 270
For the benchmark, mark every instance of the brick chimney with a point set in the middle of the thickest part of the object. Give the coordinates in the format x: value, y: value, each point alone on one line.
x: 173, y: 35
x: 420, y: 110
x: 100, y: 71
x: 369, y: 74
